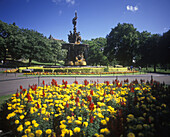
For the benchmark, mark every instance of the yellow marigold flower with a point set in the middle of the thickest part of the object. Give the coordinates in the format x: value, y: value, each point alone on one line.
x: 107, y: 131
x: 62, y: 126
x: 145, y: 125
x: 24, y: 136
x: 20, y: 128
x: 33, y: 121
x: 16, y: 121
x: 78, y: 122
x: 48, y: 131
x: 139, y: 126
x: 56, y: 115
x: 107, y: 119
x: 96, y: 134
x: 9, y: 108
x: 102, y: 130
x: 85, y: 124
x: 130, y: 134
x: 100, y: 115
x: 27, y: 131
x: 62, y: 122
x: 31, y: 135
x: 140, y: 135
x: 69, y: 121
x: 43, y: 111
x: 38, y: 132
x: 29, y: 127
x: 36, y: 124
x: 77, y: 130
x: 80, y: 118
x: 103, y: 122
x: 99, y: 135
x: 71, y: 132
x: 22, y: 117
x: 131, y: 116
x: 27, y: 123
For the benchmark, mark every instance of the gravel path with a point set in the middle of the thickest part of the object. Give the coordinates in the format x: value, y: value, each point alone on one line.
x: 9, y: 83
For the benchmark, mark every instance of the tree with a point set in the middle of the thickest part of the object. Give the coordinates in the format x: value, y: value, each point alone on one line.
x: 152, y: 51
x: 95, y: 51
x: 15, y: 42
x: 164, y: 47
x: 57, y: 52
x: 37, y: 46
x: 3, y: 36
x: 142, y: 50
x: 122, y: 44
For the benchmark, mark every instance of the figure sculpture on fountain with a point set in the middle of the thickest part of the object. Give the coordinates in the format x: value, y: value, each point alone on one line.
x: 74, y: 37
x: 76, y: 52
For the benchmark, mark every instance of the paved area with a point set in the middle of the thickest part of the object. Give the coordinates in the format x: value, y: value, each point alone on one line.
x: 10, y: 82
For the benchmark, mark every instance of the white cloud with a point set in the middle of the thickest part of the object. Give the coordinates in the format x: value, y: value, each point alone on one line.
x: 131, y: 8
x: 71, y: 2
x: 60, y: 12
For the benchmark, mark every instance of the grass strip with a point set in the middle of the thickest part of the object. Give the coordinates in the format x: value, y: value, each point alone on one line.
x: 4, y: 98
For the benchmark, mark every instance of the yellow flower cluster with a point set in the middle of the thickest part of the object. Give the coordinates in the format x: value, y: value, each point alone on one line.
x: 75, y: 105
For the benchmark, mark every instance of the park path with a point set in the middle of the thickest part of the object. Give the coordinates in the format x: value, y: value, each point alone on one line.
x: 9, y: 83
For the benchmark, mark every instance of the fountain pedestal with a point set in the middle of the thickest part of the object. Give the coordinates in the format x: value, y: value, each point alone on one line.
x: 76, y: 54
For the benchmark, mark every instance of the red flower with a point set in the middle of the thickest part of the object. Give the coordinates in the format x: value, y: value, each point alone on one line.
x: 89, y: 98
x: 67, y: 105
x: 77, y: 99
x: 107, y: 83
x: 20, y: 87
x: 91, y: 119
x: 72, y: 113
x: 126, y: 81
x: 72, y: 97
x: 76, y: 82
x: 43, y: 93
x: 86, y: 82
x: 91, y: 106
x: 78, y: 92
x: 29, y: 97
x: 132, y: 90
x: 43, y: 82
x: 38, y: 106
x: 91, y: 92
x: 17, y: 95
x: 111, y: 92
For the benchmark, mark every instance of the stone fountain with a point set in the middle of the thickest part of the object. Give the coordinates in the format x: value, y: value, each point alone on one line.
x: 77, y: 52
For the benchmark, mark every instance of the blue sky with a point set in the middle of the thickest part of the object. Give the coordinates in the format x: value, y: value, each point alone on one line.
x: 95, y: 17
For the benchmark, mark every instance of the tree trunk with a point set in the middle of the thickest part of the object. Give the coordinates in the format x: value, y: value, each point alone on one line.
x: 4, y: 60
x: 146, y: 67
x: 154, y: 67
x: 30, y: 62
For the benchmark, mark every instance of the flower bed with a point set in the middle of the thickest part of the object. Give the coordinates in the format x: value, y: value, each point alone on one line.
x: 11, y: 71
x: 79, y: 73
x: 89, y: 109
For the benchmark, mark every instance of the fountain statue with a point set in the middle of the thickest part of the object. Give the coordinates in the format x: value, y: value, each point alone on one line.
x: 77, y: 52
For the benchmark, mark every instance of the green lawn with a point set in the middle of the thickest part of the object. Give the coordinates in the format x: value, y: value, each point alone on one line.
x: 158, y: 70
x: 3, y: 99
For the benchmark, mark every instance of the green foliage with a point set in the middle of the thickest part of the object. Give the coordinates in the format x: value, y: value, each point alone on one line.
x: 95, y: 52
x: 28, y: 44
x: 57, y: 52
x: 122, y: 43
